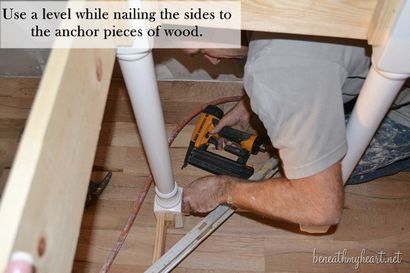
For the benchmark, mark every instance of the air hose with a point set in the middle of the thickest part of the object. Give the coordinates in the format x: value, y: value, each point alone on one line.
x: 148, y: 182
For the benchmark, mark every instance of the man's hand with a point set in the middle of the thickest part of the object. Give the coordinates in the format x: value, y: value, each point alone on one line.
x: 205, y: 194
x: 214, y: 55
x: 240, y: 116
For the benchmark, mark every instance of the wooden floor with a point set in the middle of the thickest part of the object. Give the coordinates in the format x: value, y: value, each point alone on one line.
x: 376, y: 217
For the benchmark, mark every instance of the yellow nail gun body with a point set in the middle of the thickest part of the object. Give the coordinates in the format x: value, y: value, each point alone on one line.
x: 242, y: 145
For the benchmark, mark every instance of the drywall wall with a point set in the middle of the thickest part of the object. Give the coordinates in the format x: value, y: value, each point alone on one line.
x: 171, y: 64
x: 23, y: 62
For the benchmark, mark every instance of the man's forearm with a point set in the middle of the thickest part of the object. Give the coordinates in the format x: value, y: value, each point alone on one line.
x: 316, y: 200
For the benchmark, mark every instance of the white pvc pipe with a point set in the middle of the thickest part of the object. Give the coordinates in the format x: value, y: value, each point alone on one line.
x: 20, y: 262
x: 375, y: 99
x: 138, y: 70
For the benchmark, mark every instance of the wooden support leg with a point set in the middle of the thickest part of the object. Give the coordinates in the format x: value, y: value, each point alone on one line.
x: 164, y: 220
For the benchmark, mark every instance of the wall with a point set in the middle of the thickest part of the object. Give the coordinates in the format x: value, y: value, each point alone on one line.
x: 171, y: 64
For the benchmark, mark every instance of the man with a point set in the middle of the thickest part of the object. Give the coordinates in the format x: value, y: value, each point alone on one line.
x: 295, y: 87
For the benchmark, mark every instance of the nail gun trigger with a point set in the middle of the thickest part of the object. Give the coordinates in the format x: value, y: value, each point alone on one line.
x: 215, y: 122
x: 213, y: 141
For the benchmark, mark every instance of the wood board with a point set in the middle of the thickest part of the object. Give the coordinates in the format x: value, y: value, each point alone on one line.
x: 43, y: 201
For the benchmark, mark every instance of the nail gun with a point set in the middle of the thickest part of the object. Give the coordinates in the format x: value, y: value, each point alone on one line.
x: 242, y: 145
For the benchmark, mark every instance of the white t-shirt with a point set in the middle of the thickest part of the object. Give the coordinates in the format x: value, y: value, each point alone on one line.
x: 295, y: 87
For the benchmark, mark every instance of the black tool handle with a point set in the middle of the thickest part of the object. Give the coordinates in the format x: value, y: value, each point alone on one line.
x: 238, y: 151
x: 226, y: 132
x: 214, y: 111
x: 234, y: 134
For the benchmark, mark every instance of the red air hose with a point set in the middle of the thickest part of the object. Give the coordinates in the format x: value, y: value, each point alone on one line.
x: 147, y: 184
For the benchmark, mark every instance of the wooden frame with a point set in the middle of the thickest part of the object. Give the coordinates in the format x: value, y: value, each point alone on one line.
x: 44, y: 198
x: 43, y: 202
x: 343, y: 19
